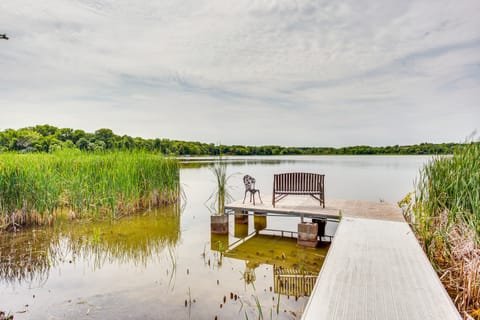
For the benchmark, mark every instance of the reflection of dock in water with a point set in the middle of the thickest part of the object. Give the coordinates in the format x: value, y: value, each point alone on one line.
x: 294, y: 268
x: 293, y: 282
x: 278, y: 252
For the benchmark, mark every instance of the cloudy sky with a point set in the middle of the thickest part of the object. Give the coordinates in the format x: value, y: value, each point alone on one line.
x: 285, y: 72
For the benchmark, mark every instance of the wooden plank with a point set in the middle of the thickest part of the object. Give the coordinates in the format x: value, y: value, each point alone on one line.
x: 377, y: 270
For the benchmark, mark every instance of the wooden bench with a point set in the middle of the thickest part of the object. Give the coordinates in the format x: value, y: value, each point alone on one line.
x: 298, y: 183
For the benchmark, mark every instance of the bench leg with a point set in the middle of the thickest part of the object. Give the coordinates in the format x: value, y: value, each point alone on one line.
x: 259, y: 196
x: 245, y: 197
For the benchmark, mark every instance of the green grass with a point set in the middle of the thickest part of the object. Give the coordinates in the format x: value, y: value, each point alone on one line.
x: 36, y: 187
x: 446, y: 218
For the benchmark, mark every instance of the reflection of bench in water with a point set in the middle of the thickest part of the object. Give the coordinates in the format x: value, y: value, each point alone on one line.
x: 293, y: 282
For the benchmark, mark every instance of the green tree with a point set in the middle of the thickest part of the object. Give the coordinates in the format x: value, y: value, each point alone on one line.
x: 105, y: 135
x: 46, y: 130
x: 26, y: 140
x: 65, y: 134
x: 82, y: 144
x: 77, y: 135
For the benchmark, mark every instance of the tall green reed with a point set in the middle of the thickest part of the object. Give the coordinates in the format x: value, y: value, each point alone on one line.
x: 222, y: 191
x: 33, y: 187
x: 446, y: 218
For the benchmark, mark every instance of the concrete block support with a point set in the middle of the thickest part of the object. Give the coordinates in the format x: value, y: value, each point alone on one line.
x: 219, y: 224
x: 241, y: 217
x: 307, y: 234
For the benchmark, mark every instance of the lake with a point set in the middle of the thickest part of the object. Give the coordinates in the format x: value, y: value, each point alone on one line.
x: 165, y: 264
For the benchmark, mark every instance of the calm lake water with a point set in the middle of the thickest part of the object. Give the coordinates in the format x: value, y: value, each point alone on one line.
x: 165, y: 264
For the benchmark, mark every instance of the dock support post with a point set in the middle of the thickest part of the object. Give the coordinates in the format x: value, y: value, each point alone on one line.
x: 241, y: 217
x: 219, y: 223
x: 307, y: 234
x: 321, y: 227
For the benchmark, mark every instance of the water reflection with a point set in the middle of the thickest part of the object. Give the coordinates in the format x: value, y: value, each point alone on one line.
x: 292, y: 282
x: 28, y: 256
x: 388, y: 161
x: 195, y: 163
x: 295, y: 269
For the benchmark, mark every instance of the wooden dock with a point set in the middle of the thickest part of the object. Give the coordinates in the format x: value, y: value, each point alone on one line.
x: 308, y: 207
x: 375, y: 267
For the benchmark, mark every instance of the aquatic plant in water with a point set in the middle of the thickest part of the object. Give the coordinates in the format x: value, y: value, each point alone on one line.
x: 222, y: 192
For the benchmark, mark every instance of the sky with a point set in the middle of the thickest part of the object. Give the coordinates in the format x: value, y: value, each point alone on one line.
x: 277, y: 72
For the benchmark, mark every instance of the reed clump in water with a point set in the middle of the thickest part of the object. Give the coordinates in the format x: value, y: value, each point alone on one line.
x: 35, y: 188
x: 222, y: 193
x: 446, y: 218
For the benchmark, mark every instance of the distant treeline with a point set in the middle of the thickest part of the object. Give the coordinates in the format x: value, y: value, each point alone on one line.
x: 47, y: 138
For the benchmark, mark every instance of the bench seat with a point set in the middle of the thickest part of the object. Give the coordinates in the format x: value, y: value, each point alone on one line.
x: 299, y: 183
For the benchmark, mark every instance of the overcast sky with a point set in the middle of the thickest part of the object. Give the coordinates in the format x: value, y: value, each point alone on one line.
x: 291, y: 73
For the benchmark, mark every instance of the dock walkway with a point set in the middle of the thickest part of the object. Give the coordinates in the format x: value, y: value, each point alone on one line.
x: 375, y: 267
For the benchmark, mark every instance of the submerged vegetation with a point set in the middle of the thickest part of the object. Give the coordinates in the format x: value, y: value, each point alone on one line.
x: 37, y: 188
x: 47, y: 138
x: 446, y: 218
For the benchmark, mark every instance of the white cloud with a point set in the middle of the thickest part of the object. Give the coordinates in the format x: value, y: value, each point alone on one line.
x: 245, y: 72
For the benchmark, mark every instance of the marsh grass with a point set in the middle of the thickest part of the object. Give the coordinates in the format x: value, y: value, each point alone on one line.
x: 446, y: 218
x: 36, y: 188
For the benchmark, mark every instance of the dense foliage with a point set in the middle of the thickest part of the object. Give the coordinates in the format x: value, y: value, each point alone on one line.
x: 47, y: 138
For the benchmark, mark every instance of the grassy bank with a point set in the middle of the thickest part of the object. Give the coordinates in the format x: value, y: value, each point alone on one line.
x: 446, y: 218
x: 36, y: 188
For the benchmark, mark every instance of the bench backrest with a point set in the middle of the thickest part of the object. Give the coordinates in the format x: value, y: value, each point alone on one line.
x: 298, y: 181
